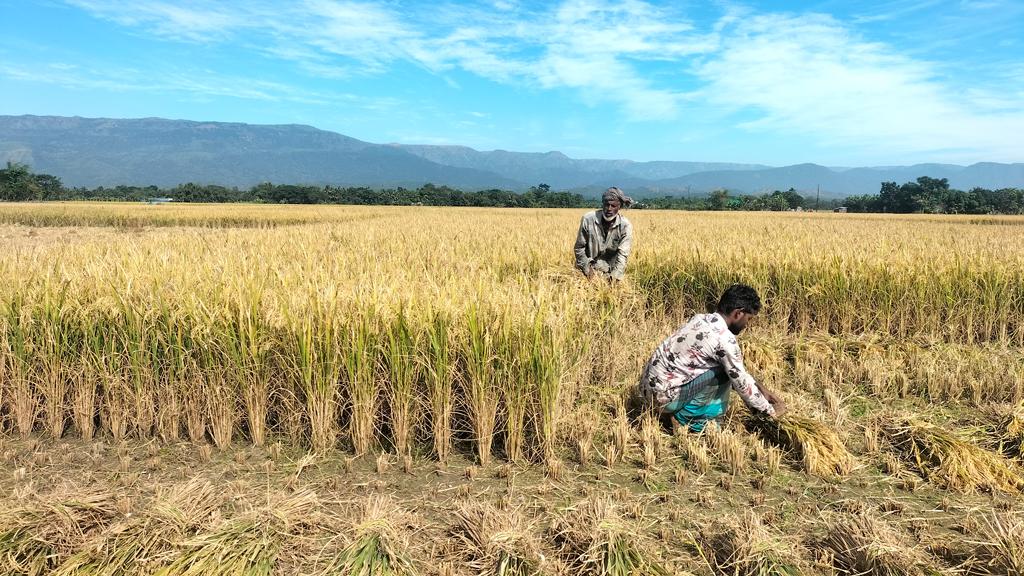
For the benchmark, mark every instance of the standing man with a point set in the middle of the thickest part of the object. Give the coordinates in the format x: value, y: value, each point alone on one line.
x: 605, y: 238
x: 690, y: 374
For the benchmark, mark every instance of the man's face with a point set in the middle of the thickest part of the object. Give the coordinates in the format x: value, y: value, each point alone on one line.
x: 737, y: 320
x: 610, y: 208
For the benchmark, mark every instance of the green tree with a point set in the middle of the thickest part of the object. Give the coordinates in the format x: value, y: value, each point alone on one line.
x: 718, y: 200
x: 17, y: 184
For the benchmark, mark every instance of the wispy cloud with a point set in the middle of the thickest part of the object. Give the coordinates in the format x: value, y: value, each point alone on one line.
x: 190, y: 82
x: 811, y: 75
x: 185, y: 21
x: 588, y: 45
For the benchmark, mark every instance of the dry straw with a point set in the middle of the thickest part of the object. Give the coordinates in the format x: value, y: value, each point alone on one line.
x: 1006, y: 430
x: 247, y: 545
x: 35, y: 537
x: 380, y: 543
x: 137, y: 544
x: 817, y: 446
x: 496, y: 542
x: 744, y: 545
x: 594, y: 540
x: 863, y: 544
x: 947, y: 460
x: 1002, y: 549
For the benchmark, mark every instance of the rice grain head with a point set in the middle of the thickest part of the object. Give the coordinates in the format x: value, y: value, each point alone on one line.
x: 949, y: 461
x: 815, y: 444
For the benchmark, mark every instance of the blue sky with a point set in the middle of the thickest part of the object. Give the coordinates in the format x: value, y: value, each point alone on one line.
x: 778, y: 83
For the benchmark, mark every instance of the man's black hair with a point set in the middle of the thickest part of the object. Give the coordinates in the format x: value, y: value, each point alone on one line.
x: 739, y: 297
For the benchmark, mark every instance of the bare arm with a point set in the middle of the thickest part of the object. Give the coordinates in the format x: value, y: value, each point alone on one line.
x: 742, y: 382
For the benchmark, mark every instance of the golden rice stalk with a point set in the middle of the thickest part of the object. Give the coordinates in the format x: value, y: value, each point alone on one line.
x: 401, y: 372
x: 745, y: 546
x: 814, y: 443
x: 950, y: 462
x: 380, y: 544
x: 496, y: 542
x: 35, y: 537
x: 593, y: 539
x: 480, y: 382
x: 439, y: 358
x: 136, y: 544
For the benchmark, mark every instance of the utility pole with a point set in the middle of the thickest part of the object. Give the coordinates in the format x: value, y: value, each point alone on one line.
x: 817, y: 200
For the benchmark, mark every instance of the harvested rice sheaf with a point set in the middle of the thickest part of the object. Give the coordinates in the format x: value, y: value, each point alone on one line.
x: 36, y: 536
x: 496, y: 542
x: 948, y: 461
x: 745, y: 546
x: 244, y: 546
x: 814, y: 443
x: 380, y: 544
x: 865, y: 545
x: 136, y: 545
x: 595, y: 540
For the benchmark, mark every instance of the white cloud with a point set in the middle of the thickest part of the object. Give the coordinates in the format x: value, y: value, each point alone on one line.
x: 193, y: 82
x: 810, y: 75
x: 794, y: 74
x: 202, y: 22
x: 589, y: 45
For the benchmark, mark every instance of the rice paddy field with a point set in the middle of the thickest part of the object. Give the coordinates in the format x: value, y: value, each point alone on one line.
x: 229, y: 389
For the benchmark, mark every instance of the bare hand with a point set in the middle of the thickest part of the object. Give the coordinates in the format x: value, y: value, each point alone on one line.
x: 777, y: 403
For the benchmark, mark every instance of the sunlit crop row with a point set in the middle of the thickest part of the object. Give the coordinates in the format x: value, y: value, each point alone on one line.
x: 417, y: 329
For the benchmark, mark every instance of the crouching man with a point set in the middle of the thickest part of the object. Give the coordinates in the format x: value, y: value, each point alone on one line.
x: 690, y: 374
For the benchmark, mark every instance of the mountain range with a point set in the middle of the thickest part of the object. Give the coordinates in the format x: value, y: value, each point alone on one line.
x: 94, y: 152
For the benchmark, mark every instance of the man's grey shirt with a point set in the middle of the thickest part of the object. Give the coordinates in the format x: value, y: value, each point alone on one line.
x: 603, y: 251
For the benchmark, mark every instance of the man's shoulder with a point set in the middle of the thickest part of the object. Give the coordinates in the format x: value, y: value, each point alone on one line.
x: 709, y: 321
x: 591, y: 216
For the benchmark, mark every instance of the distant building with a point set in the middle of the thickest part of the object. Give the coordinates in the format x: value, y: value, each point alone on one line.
x: 159, y: 200
x: 840, y: 209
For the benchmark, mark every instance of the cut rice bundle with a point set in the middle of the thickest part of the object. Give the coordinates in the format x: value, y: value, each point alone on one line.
x: 246, y: 546
x: 498, y: 542
x: 745, y: 546
x: 136, y: 545
x: 864, y: 545
x: 951, y: 463
x: 595, y: 540
x: 380, y: 545
x: 36, y: 537
x: 816, y: 445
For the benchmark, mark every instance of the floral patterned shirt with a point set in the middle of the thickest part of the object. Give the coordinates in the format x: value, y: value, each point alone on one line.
x: 702, y: 344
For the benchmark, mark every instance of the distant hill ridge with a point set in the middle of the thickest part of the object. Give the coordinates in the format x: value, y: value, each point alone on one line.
x: 107, y: 152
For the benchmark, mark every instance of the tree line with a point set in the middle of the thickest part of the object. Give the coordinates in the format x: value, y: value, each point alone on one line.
x: 928, y: 195
x: 934, y: 196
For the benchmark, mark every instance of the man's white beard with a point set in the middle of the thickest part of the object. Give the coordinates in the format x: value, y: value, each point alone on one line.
x: 608, y: 218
